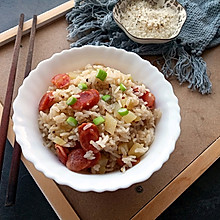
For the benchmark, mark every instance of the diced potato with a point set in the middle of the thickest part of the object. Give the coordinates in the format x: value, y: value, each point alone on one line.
x: 130, y: 77
x: 129, y: 117
x: 110, y: 123
x: 138, y: 118
x: 138, y: 150
x: 123, y: 102
x: 101, y: 170
x: 132, y: 103
x: 103, y: 162
x: 117, y: 106
x: 73, y: 75
x: 130, y: 144
x: 123, y: 147
x: 59, y: 141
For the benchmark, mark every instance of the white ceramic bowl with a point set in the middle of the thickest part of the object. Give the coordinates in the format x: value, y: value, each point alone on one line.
x: 34, y: 86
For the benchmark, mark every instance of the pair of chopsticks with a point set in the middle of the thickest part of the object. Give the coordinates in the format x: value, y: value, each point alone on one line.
x: 14, y: 170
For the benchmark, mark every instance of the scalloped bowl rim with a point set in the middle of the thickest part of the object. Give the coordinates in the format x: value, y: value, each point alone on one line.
x: 30, y: 140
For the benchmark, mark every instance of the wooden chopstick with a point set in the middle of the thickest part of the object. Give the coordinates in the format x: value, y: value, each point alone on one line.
x: 9, y: 93
x: 14, y: 170
x: 13, y: 176
x: 31, y: 47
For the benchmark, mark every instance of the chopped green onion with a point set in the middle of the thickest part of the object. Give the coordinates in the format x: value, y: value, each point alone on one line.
x: 72, y: 121
x: 71, y: 100
x: 101, y: 75
x: 99, y: 120
x: 122, y: 87
x: 123, y: 111
x: 82, y: 86
x: 106, y: 97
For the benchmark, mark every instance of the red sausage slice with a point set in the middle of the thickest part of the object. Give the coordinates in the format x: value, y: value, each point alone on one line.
x: 83, y: 102
x: 86, y: 100
x: 120, y: 162
x: 76, y: 161
x: 91, y: 126
x: 150, y: 99
x: 85, y: 136
x: 96, y: 160
x: 46, y: 101
x: 96, y: 96
x: 147, y: 97
x: 62, y: 153
x: 61, y: 80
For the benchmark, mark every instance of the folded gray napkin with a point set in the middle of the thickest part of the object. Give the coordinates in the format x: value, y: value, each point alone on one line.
x: 91, y: 23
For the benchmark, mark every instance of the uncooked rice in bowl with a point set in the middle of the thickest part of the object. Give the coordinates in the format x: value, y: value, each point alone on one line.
x: 122, y: 139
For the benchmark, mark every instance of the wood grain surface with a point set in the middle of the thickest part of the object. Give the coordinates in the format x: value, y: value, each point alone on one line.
x: 180, y: 183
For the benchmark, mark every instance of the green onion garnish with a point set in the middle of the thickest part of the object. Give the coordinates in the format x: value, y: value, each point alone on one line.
x: 122, y: 87
x: 101, y: 75
x: 99, y: 120
x: 72, y: 121
x: 123, y: 111
x: 106, y: 97
x: 71, y: 100
x: 82, y: 86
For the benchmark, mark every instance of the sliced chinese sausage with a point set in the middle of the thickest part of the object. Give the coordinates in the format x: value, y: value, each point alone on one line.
x: 147, y: 97
x: 83, y: 102
x: 88, y: 134
x: 150, y: 99
x: 120, y: 162
x: 46, y: 101
x: 86, y: 137
x: 61, y: 80
x: 62, y: 153
x: 96, y: 96
x: 96, y: 160
x: 77, y: 145
x: 76, y: 161
x: 87, y: 100
x: 81, y: 128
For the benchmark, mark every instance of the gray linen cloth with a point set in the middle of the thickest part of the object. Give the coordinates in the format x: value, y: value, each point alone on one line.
x: 91, y: 23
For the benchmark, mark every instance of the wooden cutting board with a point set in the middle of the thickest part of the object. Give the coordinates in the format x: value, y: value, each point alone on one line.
x: 196, y: 149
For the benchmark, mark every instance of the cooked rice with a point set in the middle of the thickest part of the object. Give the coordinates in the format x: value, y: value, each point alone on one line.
x: 89, y: 155
x: 87, y: 126
x: 53, y: 124
x: 145, y: 20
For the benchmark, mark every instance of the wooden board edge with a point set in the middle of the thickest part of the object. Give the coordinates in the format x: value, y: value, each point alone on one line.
x: 49, y: 188
x: 42, y: 19
x: 180, y: 183
x: 52, y: 192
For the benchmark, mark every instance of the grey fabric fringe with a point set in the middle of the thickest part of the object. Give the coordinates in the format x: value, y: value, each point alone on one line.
x: 91, y: 23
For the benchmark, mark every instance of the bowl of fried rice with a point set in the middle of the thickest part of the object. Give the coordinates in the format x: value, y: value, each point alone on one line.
x: 96, y: 118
